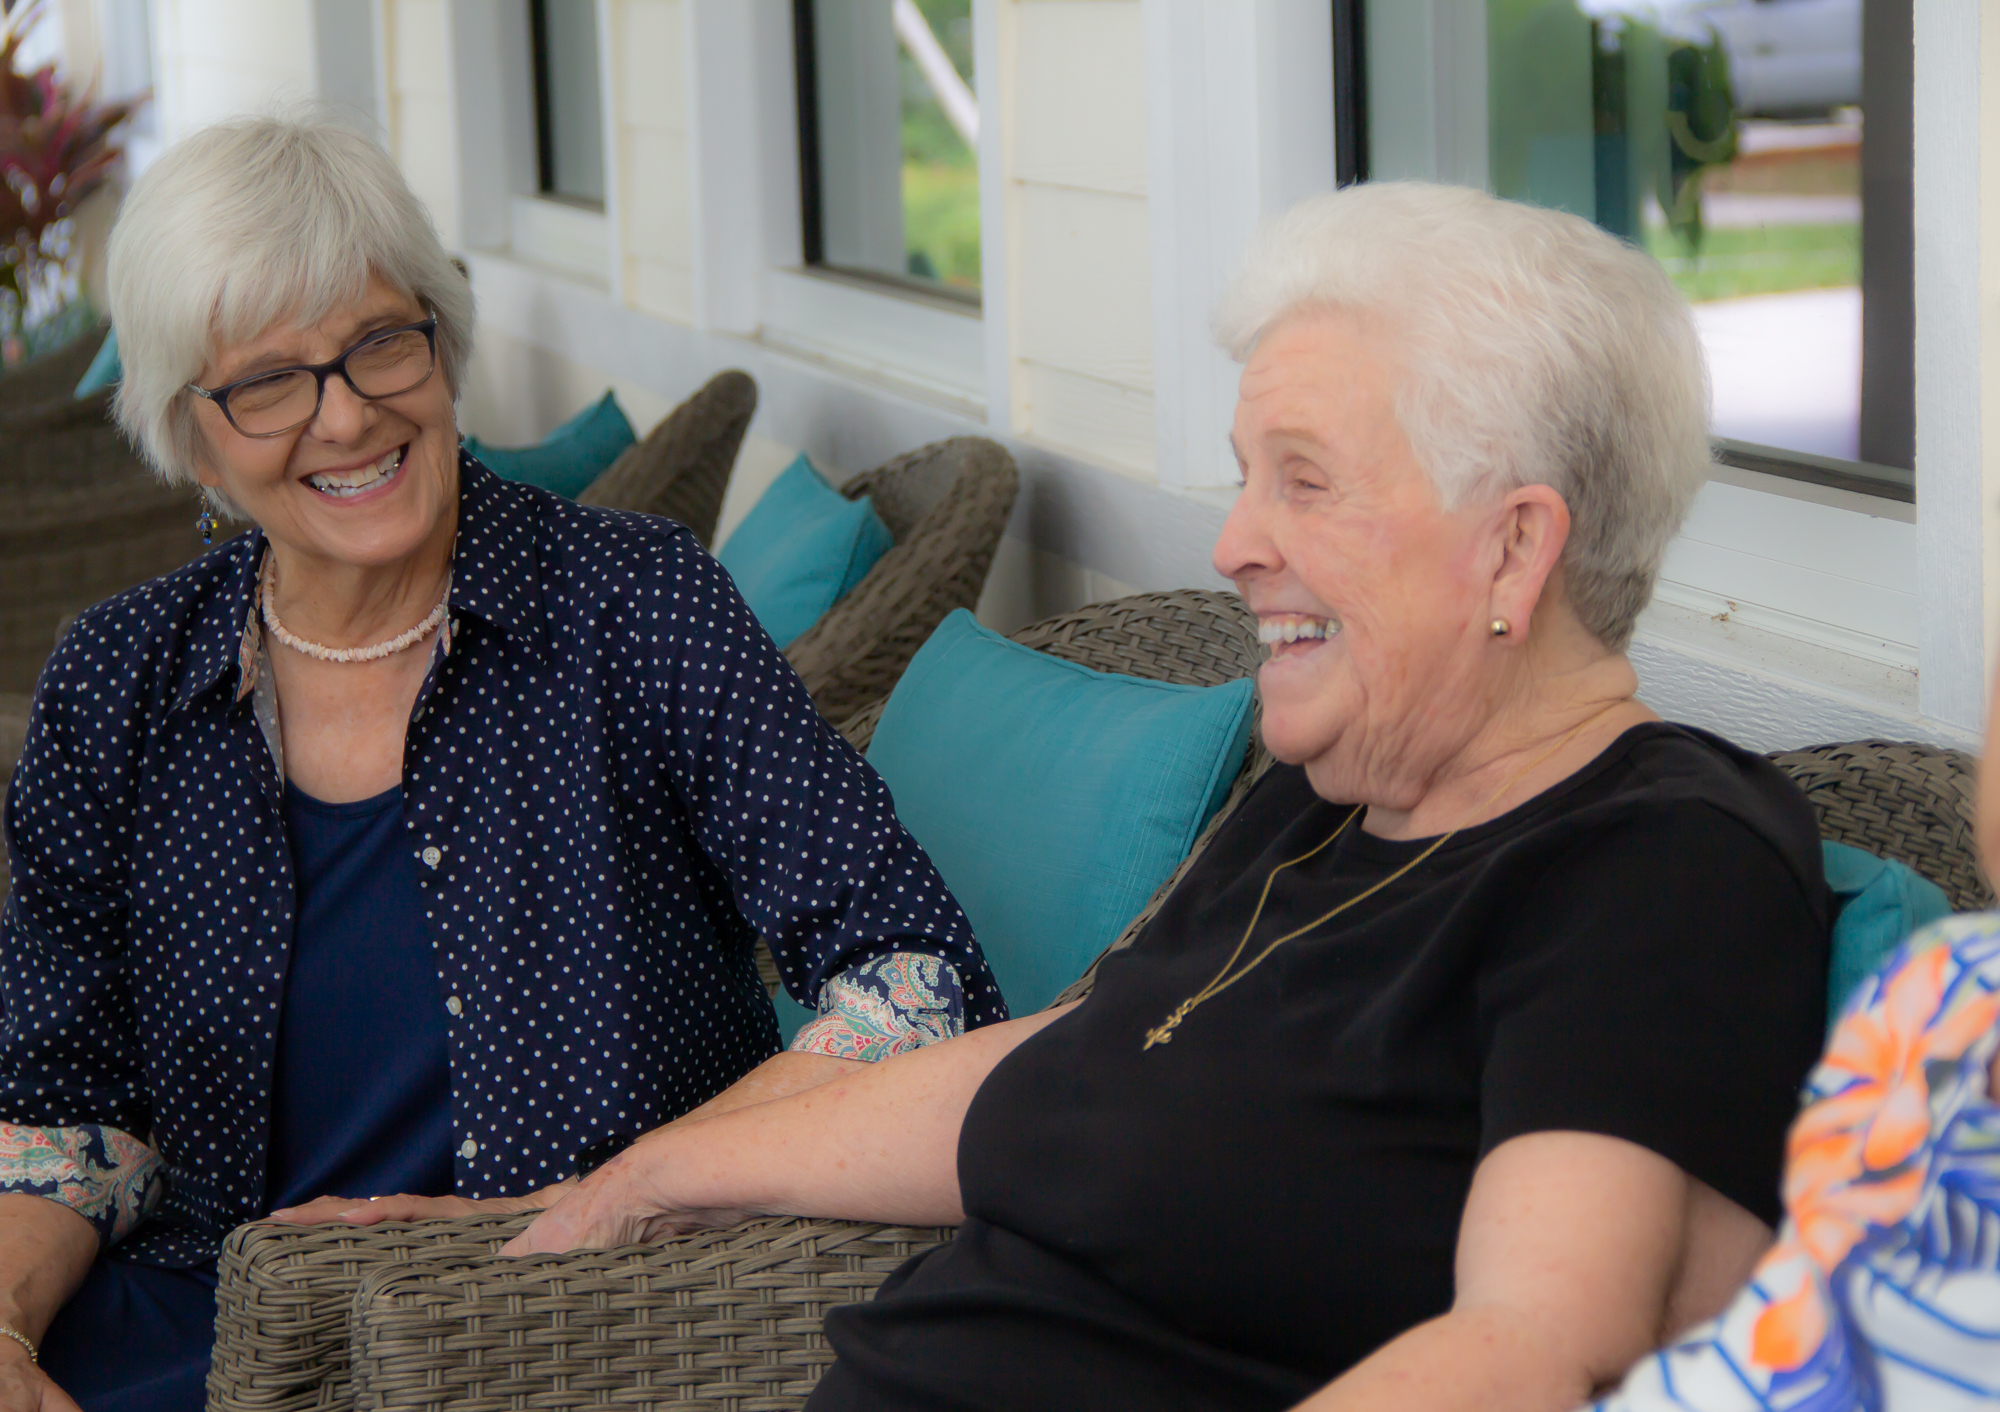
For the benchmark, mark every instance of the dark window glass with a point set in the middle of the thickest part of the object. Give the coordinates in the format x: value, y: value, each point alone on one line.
x: 569, y: 114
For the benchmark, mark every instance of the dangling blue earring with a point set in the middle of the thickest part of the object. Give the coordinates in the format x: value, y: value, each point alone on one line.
x: 205, y: 524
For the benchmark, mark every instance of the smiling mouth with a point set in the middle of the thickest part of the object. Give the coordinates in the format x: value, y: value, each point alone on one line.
x: 341, y: 485
x: 1279, y: 631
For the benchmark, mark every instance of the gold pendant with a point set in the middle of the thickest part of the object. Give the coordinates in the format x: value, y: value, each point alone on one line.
x: 1163, y: 1033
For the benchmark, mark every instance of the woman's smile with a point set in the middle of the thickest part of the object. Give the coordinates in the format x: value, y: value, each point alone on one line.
x: 366, y: 481
x: 1295, y: 634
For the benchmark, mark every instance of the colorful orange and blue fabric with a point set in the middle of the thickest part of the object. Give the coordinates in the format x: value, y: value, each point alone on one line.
x: 1882, y: 1293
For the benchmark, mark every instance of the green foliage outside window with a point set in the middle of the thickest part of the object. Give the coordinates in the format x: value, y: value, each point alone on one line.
x: 940, y: 172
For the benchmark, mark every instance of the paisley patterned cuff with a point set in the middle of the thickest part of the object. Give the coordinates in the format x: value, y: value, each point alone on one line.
x: 108, y: 1177
x: 885, y: 1006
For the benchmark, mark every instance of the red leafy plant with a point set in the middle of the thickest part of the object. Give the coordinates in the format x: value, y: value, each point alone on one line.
x: 55, y: 150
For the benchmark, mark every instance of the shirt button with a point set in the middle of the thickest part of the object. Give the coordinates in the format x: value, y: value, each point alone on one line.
x: 468, y: 1149
x: 451, y: 1004
x: 432, y: 856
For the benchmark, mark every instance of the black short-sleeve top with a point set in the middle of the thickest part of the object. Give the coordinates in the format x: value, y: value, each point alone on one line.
x: 1235, y: 1217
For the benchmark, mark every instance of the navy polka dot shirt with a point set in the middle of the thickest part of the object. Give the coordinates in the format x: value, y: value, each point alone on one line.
x: 613, y: 783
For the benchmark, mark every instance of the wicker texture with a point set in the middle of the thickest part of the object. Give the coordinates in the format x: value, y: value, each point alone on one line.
x: 81, y: 519
x: 946, y: 505
x: 53, y: 376
x: 281, y: 1312
x: 681, y: 470
x: 721, y: 1319
x: 1913, y: 803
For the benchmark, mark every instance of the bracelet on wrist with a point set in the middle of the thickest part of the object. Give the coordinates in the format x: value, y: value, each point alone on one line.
x: 15, y: 1334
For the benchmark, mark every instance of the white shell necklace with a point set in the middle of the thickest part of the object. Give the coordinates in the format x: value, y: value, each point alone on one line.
x: 267, y: 590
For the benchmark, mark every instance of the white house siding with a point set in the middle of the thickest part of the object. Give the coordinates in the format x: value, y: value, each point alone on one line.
x: 217, y: 58
x: 649, y: 79
x: 1080, y: 296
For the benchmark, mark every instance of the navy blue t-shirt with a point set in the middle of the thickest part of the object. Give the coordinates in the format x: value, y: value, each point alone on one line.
x: 361, y: 1098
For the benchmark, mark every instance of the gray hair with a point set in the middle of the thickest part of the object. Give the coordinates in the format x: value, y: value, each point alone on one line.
x: 247, y: 224
x: 1538, y: 350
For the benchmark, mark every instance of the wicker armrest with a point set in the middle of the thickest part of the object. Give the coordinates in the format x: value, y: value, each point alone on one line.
x: 722, y: 1320
x: 284, y: 1296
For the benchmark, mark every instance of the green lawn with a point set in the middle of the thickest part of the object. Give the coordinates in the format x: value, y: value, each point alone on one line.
x: 1764, y: 260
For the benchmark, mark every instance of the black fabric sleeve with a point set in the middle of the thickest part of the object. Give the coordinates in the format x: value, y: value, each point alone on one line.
x: 1665, y: 983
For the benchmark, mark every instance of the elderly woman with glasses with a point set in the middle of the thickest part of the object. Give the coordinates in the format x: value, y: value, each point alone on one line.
x: 416, y: 841
x: 1456, y: 1071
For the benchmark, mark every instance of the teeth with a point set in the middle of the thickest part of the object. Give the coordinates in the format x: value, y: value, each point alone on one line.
x: 344, y: 483
x: 1272, y: 631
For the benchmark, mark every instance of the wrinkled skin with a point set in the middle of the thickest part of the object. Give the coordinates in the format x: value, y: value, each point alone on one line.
x: 1413, y: 705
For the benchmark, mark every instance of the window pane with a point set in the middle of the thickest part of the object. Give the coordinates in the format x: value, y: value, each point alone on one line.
x: 572, y: 120
x: 897, y: 133
x: 1727, y: 138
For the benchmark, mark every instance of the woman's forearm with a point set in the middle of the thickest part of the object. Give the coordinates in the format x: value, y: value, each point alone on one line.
x: 45, y: 1251
x: 880, y: 1144
x: 1474, y: 1360
x: 780, y: 1076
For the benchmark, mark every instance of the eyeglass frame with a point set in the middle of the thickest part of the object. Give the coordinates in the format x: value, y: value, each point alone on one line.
x: 321, y: 372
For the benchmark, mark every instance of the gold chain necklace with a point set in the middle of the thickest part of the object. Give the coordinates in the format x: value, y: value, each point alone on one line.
x: 1163, y: 1032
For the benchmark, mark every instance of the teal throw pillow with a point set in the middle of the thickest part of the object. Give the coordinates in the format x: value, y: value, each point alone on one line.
x: 1880, y: 904
x: 569, y: 458
x: 1054, y: 799
x: 800, y: 549
x: 104, y: 369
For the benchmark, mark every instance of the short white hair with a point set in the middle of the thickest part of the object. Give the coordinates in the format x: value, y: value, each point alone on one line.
x: 247, y: 224
x: 1537, y: 350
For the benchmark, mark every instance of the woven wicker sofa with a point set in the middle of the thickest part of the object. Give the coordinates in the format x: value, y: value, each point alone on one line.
x: 681, y: 469
x: 946, y: 505
x: 419, y: 1315
x: 81, y: 518
x: 54, y: 375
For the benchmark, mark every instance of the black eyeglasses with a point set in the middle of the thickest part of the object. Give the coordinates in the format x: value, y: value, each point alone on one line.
x: 285, y: 399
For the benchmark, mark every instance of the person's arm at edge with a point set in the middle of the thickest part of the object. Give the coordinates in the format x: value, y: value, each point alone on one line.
x: 876, y: 1144
x: 780, y: 1076
x: 841, y: 1041
x: 49, y: 1249
x: 884, y: 899
x: 1568, y: 1256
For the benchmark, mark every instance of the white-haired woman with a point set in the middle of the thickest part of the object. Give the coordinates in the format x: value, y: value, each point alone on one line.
x: 1457, y: 1072
x: 415, y: 841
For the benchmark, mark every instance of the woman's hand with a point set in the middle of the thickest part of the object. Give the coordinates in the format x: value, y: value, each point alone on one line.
x: 46, y: 1249
x: 369, y: 1211
x: 26, y: 1388
x: 879, y: 1143
x: 624, y: 1202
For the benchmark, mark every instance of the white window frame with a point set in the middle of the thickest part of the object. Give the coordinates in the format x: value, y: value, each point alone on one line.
x: 502, y: 207
x: 750, y: 275
x: 1239, y: 126
x: 1957, y: 170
